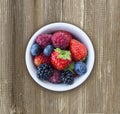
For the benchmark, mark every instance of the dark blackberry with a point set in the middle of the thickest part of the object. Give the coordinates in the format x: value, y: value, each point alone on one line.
x: 67, y: 77
x: 44, y: 71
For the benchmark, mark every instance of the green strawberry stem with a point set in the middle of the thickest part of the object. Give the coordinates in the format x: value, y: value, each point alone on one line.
x: 71, y: 67
x: 63, y: 54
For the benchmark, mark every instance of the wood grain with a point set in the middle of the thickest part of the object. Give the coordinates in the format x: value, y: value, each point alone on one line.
x: 19, y: 94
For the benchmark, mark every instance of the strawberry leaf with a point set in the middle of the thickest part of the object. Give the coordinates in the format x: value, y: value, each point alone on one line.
x: 63, y: 54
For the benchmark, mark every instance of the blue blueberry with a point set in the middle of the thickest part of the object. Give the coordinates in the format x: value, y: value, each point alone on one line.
x: 48, y: 50
x: 35, y: 50
x: 80, y: 68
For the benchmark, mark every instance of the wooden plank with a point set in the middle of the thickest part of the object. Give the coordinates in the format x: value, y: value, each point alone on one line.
x: 6, y: 55
x: 112, y: 65
x: 95, y: 26
x: 101, y: 23
x: 24, y: 16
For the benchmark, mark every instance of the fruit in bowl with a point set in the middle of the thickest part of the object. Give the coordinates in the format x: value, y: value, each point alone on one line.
x: 59, y: 56
x: 54, y: 52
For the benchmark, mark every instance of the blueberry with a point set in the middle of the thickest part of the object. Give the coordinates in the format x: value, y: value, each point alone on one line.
x: 35, y: 49
x: 80, y: 68
x: 48, y: 50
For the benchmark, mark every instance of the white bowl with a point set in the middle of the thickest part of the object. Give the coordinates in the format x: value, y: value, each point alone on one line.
x: 81, y: 36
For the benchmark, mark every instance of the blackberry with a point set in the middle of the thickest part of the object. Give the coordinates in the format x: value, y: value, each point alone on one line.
x: 67, y: 77
x: 44, y: 71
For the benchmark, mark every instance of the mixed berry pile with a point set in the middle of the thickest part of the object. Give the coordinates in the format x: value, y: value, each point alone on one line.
x: 59, y: 57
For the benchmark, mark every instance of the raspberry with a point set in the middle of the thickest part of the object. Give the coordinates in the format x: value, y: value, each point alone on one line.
x: 55, y: 78
x: 44, y: 39
x: 61, y: 39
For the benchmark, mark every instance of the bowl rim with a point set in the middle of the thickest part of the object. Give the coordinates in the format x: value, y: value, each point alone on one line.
x: 41, y: 83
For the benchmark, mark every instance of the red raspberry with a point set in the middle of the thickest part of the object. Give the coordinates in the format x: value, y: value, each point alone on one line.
x: 44, y: 39
x: 55, y: 78
x: 61, y: 39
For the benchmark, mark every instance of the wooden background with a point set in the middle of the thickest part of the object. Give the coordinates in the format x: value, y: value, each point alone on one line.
x: 19, y: 94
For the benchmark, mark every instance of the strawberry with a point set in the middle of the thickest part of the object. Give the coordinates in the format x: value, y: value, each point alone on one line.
x: 40, y: 59
x: 60, y: 59
x: 78, y: 50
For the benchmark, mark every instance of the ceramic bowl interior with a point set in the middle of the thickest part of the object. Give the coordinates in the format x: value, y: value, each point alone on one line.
x: 79, y: 35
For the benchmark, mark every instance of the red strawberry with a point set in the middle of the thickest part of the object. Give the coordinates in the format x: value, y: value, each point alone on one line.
x: 40, y: 59
x: 60, y: 59
x: 78, y: 50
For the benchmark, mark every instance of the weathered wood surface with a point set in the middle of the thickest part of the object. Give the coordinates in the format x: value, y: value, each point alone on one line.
x: 19, y: 94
